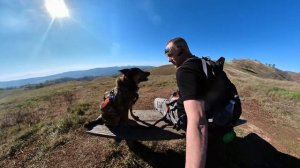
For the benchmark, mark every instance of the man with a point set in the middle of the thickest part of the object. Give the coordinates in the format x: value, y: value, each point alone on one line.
x: 191, y: 84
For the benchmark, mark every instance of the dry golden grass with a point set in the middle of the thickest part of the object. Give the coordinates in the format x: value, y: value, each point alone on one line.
x: 272, y: 104
x: 43, y: 127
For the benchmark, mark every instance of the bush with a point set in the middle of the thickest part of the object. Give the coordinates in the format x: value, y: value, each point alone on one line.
x: 65, y: 125
x: 80, y: 109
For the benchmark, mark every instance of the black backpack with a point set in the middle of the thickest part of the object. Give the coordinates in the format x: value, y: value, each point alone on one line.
x: 222, y: 102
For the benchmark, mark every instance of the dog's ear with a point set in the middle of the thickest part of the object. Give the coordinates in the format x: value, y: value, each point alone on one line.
x: 126, y: 72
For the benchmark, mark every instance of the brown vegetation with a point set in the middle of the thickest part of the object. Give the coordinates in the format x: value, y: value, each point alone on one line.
x: 43, y: 127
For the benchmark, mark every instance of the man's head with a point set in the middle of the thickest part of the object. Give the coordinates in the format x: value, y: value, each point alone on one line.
x: 177, y: 51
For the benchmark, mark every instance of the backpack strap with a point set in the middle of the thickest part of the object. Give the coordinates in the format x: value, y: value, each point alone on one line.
x: 204, y: 67
x: 204, y: 63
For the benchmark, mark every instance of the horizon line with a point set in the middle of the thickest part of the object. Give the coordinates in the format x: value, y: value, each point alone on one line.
x: 46, y: 73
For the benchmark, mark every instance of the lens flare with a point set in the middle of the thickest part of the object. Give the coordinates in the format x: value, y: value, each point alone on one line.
x: 57, y: 8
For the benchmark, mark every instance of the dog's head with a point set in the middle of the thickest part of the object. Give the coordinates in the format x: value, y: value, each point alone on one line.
x: 136, y: 74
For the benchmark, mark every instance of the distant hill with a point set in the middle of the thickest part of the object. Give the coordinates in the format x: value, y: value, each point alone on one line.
x: 108, y: 71
x: 259, y: 69
x: 248, y: 66
x: 253, y: 67
x: 164, y: 70
x: 295, y: 76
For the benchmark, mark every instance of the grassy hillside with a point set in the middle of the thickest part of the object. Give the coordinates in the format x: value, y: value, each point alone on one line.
x: 258, y: 69
x: 43, y: 127
x: 295, y: 76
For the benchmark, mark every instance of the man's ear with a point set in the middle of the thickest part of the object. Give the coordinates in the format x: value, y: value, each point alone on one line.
x: 126, y: 72
x: 180, y: 53
x: 181, y: 50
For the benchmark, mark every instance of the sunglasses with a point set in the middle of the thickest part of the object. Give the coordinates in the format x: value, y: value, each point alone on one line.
x: 169, y: 49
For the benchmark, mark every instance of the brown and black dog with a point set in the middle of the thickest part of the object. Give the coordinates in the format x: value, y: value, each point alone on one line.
x: 125, y: 95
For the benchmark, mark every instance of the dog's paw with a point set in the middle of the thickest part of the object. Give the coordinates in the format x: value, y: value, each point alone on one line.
x: 90, y: 124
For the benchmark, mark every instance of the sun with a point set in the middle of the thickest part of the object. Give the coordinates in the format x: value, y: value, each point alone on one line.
x: 57, y: 8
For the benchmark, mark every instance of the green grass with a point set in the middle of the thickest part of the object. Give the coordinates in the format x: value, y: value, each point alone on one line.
x: 66, y: 124
x: 289, y: 94
x: 81, y: 108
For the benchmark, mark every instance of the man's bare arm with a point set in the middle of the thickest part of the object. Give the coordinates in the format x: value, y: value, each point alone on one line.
x: 196, y: 134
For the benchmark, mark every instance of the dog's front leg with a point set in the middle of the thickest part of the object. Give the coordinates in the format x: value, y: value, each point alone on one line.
x: 124, y: 116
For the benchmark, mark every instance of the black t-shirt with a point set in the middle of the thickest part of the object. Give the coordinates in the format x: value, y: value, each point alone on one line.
x: 191, y: 81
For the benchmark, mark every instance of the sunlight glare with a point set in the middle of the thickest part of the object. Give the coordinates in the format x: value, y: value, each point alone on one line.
x: 57, y: 8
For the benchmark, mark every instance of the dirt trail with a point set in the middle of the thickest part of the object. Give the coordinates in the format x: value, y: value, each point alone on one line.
x: 250, y: 128
x: 260, y: 123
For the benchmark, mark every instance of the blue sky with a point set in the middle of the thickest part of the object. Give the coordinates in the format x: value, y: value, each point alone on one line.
x: 102, y: 33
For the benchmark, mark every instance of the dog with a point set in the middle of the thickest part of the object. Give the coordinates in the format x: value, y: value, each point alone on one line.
x: 121, y: 99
